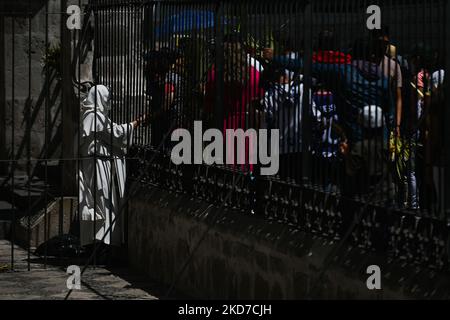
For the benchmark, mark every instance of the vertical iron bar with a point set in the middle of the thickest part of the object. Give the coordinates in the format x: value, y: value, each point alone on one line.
x: 64, y: 99
x: 13, y: 161
x: 218, y: 109
x: 3, y: 159
x: 3, y: 150
x: 28, y: 121
x: 46, y: 136
x: 447, y: 112
x: 101, y: 57
x: 307, y: 64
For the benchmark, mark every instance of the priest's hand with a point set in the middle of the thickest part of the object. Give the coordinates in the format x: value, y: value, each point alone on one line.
x: 143, y: 120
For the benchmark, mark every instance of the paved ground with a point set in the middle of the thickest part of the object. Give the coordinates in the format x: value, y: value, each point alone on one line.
x: 50, y: 282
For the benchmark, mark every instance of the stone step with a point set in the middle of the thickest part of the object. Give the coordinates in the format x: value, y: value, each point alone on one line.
x: 45, y: 223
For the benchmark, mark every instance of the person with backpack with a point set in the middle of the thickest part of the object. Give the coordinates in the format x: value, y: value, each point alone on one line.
x: 356, y: 86
x: 362, y: 93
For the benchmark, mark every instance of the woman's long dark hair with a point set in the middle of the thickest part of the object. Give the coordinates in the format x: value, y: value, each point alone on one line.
x: 235, y: 69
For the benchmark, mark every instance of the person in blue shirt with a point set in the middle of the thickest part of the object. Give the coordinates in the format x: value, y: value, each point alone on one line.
x: 355, y: 85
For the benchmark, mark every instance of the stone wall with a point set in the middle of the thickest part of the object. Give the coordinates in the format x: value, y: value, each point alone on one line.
x: 21, y: 99
x: 246, y: 257
x: 29, y: 92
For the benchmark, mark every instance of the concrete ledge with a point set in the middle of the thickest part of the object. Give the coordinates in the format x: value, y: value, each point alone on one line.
x: 243, y: 257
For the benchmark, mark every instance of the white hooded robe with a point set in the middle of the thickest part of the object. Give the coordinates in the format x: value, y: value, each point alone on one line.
x: 101, y: 179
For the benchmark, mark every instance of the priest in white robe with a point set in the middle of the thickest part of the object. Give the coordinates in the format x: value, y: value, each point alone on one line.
x: 102, y: 170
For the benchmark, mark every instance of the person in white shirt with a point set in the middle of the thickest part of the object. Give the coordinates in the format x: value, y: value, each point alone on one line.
x: 391, y: 69
x: 282, y: 104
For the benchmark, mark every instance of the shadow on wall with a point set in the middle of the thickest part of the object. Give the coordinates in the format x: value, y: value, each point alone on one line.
x: 41, y: 118
x: 48, y: 102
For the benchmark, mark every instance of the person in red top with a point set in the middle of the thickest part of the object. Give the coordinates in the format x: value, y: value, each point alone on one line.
x: 241, y: 89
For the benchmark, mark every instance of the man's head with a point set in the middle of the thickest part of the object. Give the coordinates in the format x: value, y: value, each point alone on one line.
x: 276, y: 74
x: 381, y: 34
x: 421, y: 57
x: 232, y: 41
x: 235, y: 60
x: 326, y: 41
x: 382, y: 41
x: 366, y: 50
x: 157, y: 64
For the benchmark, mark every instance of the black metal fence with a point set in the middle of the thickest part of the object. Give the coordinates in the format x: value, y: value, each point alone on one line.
x: 351, y: 154
x: 361, y: 113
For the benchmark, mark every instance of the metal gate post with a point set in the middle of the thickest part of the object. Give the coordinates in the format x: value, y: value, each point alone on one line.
x: 68, y: 109
x: 2, y: 96
x: 446, y: 191
x: 218, y: 113
x: 307, y: 74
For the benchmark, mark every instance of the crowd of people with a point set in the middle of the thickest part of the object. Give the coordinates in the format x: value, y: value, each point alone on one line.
x: 374, y: 116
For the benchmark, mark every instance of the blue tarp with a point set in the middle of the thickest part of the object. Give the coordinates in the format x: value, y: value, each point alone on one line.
x: 185, y: 21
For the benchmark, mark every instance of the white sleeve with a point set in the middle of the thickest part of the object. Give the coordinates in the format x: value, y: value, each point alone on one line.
x: 122, y: 134
x: 268, y: 103
x: 118, y: 135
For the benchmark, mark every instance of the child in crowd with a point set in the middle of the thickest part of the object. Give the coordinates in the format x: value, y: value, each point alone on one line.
x: 328, y: 135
